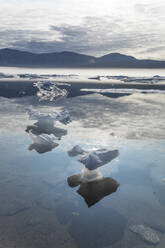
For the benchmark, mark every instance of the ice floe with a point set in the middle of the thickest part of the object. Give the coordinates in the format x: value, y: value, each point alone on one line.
x: 128, y: 79
x: 48, y: 91
x: 43, y: 139
x: 98, y: 158
x: 44, y: 76
x: 49, y: 118
x: 91, y: 161
x: 76, y: 150
x: 3, y: 75
x: 95, y: 190
x: 123, y: 91
x: 146, y: 233
x: 43, y: 143
x: 41, y: 148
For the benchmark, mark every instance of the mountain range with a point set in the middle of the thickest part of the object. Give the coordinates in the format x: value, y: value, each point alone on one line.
x: 12, y: 57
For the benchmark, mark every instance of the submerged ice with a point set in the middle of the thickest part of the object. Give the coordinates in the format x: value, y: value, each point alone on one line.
x: 146, y: 233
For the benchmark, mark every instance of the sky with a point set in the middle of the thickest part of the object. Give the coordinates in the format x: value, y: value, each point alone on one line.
x: 95, y: 27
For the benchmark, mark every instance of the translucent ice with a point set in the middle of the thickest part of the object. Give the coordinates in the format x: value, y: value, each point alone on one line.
x: 48, y: 91
x: 43, y: 139
x: 98, y: 158
x: 62, y: 116
x: 146, y: 233
x: 76, y: 150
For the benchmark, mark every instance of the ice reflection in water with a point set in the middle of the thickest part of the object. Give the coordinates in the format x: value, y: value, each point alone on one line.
x: 93, y: 185
x: 53, y: 214
x: 43, y: 133
x: 95, y: 190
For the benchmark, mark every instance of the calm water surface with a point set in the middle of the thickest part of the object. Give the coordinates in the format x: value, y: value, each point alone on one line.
x: 39, y: 209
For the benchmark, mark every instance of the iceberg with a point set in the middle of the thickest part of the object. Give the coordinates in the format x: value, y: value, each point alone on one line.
x: 123, y: 91
x: 3, y: 75
x: 43, y: 139
x: 98, y: 158
x: 127, y: 79
x: 42, y: 143
x: 49, y: 118
x: 48, y: 91
x: 42, y: 148
x: 38, y: 129
x: 76, y: 150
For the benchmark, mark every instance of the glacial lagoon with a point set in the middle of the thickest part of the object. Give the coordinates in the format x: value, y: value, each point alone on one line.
x: 42, y: 205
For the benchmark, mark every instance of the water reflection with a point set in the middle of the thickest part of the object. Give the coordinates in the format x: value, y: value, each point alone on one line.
x: 93, y: 191
x: 40, y: 148
x: 93, y: 185
x: 43, y: 133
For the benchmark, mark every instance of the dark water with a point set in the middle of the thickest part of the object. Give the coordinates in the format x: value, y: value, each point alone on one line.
x: 39, y: 209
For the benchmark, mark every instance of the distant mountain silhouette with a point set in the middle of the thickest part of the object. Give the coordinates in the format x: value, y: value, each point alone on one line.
x: 12, y: 57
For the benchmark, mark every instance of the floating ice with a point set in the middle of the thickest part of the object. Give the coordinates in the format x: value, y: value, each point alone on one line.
x: 43, y: 139
x: 76, y: 150
x: 127, y: 79
x: 98, y: 158
x: 48, y: 91
x: 146, y: 233
x: 3, y: 75
x: 42, y: 148
x: 38, y: 129
x: 30, y: 76
x: 93, y: 191
x: 124, y: 91
x: 153, y: 80
x: 62, y: 116
x: 44, y: 76
x: 95, y: 78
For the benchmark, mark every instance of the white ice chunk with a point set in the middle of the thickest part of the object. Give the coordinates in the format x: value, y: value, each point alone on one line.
x: 76, y: 150
x: 146, y: 233
x: 123, y: 91
x: 43, y: 139
x: 98, y: 158
x: 48, y: 91
x: 62, y: 116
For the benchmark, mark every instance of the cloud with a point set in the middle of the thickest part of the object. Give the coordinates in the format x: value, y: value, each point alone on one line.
x: 134, y: 28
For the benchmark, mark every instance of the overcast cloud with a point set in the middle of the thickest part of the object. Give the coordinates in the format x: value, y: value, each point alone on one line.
x: 96, y: 27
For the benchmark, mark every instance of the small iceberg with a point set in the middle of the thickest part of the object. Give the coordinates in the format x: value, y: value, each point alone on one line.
x: 62, y: 116
x: 48, y: 91
x: 93, y: 185
x: 42, y: 143
x: 98, y: 158
x: 42, y: 148
x: 76, y: 150
x: 43, y: 139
